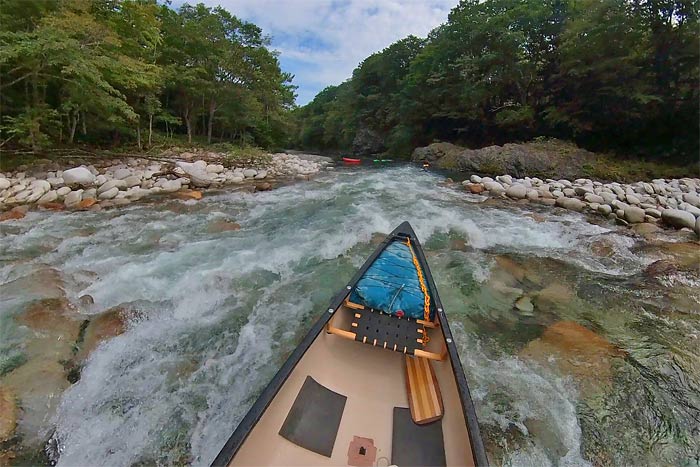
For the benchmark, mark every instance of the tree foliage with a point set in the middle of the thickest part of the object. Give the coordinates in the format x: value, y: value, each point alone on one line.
x: 106, y: 70
x: 610, y: 74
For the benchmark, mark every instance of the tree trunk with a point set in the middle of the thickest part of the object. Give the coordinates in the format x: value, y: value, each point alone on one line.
x: 150, y: 129
x: 212, y: 109
x: 189, y: 128
x: 138, y: 135
x: 83, y: 120
x: 73, y: 125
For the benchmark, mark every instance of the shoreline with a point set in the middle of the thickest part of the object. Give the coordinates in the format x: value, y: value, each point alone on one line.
x: 121, y: 181
x: 673, y: 203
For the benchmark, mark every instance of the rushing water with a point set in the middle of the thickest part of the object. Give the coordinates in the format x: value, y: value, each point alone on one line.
x: 604, y: 370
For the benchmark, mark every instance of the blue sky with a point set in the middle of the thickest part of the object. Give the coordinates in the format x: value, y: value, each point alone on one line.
x: 322, y: 41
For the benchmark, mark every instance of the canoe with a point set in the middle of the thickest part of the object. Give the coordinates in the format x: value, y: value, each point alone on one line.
x: 350, y: 160
x: 377, y: 380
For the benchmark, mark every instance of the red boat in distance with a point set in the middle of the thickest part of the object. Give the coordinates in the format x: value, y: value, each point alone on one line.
x: 349, y: 160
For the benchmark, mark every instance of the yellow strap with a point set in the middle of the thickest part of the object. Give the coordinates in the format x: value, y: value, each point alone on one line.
x: 424, y: 289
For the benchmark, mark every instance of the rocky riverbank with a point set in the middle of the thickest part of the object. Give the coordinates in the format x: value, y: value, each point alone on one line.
x: 118, y: 182
x: 673, y: 203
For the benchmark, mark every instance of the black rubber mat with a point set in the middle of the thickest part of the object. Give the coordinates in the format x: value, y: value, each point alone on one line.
x: 314, y: 418
x: 416, y: 445
x: 397, y: 332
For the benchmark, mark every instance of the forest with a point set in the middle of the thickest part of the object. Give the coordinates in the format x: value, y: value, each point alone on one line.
x: 612, y: 75
x: 113, y: 72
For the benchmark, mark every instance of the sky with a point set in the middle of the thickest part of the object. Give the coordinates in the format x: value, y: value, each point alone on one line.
x: 322, y: 41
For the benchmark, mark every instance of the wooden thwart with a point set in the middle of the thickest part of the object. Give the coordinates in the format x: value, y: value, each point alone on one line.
x: 424, y: 398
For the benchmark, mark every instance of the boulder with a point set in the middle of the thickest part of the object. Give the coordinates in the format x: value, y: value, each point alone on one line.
x: 4, y: 184
x: 171, y: 186
x: 40, y: 185
x: 572, y: 204
x: 78, y: 176
x: 49, y: 197
x: 215, y: 168
x: 117, y: 183
x: 73, y: 198
x: 109, y: 194
x: 121, y: 174
x: 132, y: 180
x: 634, y: 215
x: 198, y: 176
x: 261, y: 174
x: 494, y: 188
x: 692, y: 198
x: 524, y: 304
x: 678, y: 218
x: 250, y: 173
x: 475, y: 179
x: 475, y: 188
x: 593, y: 198
x: 516, y: 191
x: 604, y: 209
x: 505, y: 179
x: 63, y: 191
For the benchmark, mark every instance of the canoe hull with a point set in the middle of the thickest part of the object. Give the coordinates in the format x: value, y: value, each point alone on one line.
x: 383, y: 365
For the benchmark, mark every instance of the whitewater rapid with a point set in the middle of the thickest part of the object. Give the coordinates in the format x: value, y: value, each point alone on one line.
x: 215, y: 314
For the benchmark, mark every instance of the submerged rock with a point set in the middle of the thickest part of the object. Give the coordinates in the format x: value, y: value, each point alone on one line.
x: 224, y: 225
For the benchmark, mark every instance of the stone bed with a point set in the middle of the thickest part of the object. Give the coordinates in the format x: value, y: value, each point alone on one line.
x: 675, y: 203
x: 122, y: 181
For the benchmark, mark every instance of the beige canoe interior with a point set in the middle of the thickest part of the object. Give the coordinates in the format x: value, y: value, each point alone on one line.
x: 374, y: 381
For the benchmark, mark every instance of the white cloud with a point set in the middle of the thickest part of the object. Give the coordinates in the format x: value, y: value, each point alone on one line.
x: 322, y: 41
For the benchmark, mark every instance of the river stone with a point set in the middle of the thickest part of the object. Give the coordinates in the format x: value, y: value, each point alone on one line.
x: 604, y: 209
x: 261, y: 174
x: 4, y: 184
x: 634, y: 215
x: 475, y: 188
x: 544, y: 193
x: 121, y: 174
x: 632, y: 199
x: 73, y: 198
x: 494, y: 188
x: 200, y: 164
x: 198, y: 176
x: 49, y: 197
x: 117, y: 183
x: 697, y: 226
x: 78, y: 176
x: 678, y: 218
x: 22, y: 195
x: 583, y: 190
x: 505, y: 179
x: 516, y: 191
x: 692, y: 198
x: 569, y: 192
x: 532, y: 195
x: 215, y: 168
x: 592, y: 198
x: 250, y: 173
x: 475, y: 179
x: 171, y: 186
x: 101, y: 180
x: 690, y: 208
x: 109, y: 194
x: 132, y: 180
x: 524, y: 304
x: 486, y: 179
x: 653, y: 212
x: 63, y: 191
x: 572, y: 204
x: 42, y: 185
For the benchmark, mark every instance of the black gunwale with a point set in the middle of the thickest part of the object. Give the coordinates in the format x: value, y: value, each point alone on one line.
x: 245, y: 427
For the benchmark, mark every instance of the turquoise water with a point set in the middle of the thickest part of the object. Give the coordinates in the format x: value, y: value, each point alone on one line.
x: 214, y: 315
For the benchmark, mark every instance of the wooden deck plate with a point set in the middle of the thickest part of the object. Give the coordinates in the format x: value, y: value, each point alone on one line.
x: 424, y: 398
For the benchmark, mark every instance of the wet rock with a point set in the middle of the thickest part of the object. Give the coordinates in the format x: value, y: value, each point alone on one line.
x: 575, y: 351
x: 660, y: 268
x: 53, y: 206
x: 86, y: 203
x: 524, y: 304
x: 78, y: 176
x: 678, y: 218
x: 189, y: 194
x: 602, y: 248
x: 106, y: 325
x: 18, y: 212
x: 475, y: 188
x: 458, y: 244
x: 557, y: 295
x: 8, y: 414
x: 219, y: 226
x: 265, y: 186
x: 645, y: 228
x: 86, y: 300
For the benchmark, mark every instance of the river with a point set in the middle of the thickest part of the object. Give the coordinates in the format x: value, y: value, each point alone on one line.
x: 605, y: 370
